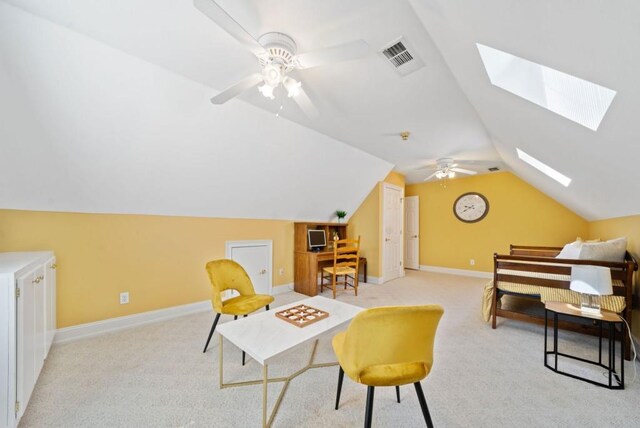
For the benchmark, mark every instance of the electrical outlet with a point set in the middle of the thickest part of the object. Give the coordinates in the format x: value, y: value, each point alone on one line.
x: 281, y: 271
x: 472, y: 262
x: 124, y: 298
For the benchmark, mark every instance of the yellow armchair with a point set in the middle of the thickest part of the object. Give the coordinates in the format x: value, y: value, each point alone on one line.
x: 388, y: 346
x: 228, y: 275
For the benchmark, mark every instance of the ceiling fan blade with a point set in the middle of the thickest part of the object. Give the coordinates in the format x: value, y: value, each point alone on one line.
x: 232, y: 92
x: 431, y: 176
x: 228, y: 24
x: 306, y: 105
x: 463, y: 171
x: 333, y: 54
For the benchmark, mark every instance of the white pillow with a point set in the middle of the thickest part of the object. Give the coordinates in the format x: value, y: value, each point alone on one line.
x: 571, y: 250
x: 609, y: 251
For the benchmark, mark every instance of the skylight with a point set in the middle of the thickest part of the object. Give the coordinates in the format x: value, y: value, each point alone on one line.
x: 571, y: 97
x: 544, y: 168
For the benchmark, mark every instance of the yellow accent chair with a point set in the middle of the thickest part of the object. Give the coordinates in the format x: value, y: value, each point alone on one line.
x: 388, y: 346
x: 346, y: 257
x: 225, y: 275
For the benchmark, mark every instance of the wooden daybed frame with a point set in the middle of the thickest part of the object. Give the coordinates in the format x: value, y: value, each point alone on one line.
x: 532, y: 260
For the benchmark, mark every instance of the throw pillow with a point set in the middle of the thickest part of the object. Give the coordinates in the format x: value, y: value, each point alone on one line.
x: 609, y: 251
x: 571, y: 250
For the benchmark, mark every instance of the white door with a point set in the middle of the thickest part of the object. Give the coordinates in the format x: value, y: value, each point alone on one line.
x: 26, y: 337
x: 255, y: 257
x: 411, y: 235
x: 392, y: 232
x: 50, y: 302
x: 39, y: 322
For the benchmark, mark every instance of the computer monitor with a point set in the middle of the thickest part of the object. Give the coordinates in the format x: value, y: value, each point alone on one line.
x: 317, y: 239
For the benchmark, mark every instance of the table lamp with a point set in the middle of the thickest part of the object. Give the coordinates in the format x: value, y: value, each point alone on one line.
x: 591, y: 282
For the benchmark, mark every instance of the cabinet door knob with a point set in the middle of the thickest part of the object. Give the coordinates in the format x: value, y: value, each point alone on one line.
x: 36, y: 281
x: 54, y: 266
x: 263, y: 271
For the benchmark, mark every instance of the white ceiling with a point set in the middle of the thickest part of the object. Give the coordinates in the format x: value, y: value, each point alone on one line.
x: 364, y: 102
x: 590, y: 39
x: 88, y: 128
x: 449, y: 106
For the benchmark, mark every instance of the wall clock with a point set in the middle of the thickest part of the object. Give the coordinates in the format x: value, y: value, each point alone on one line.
x: 471, y: 207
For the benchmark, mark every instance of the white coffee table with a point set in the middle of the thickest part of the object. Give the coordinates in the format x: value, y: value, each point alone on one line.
x: 265, y: 337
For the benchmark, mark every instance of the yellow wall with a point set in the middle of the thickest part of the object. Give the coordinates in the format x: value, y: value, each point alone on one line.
x: 395, y: 178
x: 616, y: 228
x: 365, y: 222
x: 159, y: 260
x: 518, y: 214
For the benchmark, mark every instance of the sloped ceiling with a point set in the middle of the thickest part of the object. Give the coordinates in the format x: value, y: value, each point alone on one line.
x: 89, y: 128
x: 594, y: 40
x: 141, y: 71
x: 364, y: 103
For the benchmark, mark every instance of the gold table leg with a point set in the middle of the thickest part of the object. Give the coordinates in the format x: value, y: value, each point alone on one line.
x: 266, y: 380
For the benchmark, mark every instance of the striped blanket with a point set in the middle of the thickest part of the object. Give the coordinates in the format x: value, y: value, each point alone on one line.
x: 547, y: 294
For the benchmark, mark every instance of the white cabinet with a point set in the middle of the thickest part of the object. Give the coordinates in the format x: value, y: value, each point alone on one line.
x: 27, y: 327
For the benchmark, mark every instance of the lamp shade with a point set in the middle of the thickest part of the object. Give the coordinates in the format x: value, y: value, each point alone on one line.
x: 591, y: 280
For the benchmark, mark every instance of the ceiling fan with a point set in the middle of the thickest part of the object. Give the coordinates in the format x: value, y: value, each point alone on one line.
x: 446, y: 168
x: 277, y: 55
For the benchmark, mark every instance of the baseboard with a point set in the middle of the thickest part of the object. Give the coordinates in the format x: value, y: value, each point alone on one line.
x: 83, y: 331
x: 97, y: 328
x: 452, y: 271
x: 279, y: 289
x: 370, y: 279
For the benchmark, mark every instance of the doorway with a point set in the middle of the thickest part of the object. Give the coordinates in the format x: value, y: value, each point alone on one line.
x: 412, y: 235
x: 392, y: 242
x: 256, y: 258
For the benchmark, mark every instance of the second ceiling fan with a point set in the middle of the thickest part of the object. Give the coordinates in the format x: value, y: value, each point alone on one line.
x: 277, y: 56
x: 446, y: 168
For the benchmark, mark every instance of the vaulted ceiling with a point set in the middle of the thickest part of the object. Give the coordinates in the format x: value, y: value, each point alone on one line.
x: 115, y: 92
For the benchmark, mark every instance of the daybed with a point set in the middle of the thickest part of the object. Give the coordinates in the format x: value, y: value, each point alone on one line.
x: 534, y: 274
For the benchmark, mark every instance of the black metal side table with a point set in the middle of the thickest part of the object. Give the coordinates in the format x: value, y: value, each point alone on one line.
x: 611, y: 318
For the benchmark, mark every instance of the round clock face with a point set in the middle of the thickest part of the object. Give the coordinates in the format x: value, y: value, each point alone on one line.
x: 471, y: 207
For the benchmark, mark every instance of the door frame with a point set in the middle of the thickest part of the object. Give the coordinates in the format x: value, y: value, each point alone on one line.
x: 406, y: 236
x: 230, y: 245
x: 383, y: 274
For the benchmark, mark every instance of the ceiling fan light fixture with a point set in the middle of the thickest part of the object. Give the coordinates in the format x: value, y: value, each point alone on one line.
x: 292, y: 86
x: 451, y: 174
x: 440, y: 174
x: 272, y: 75
x: 267, y: 91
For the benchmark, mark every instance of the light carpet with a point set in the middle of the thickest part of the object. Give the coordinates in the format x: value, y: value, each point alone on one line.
x: 157, y: 376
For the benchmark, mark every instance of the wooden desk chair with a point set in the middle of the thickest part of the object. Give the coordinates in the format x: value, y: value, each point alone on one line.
x: 346, y: 256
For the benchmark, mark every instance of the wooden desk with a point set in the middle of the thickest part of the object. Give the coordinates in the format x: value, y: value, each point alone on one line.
x: 307, y: 266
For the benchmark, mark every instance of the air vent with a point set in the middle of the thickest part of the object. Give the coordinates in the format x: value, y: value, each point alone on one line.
x: 494, y: 169
x: 397, y: 54
x: 402, y: 57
